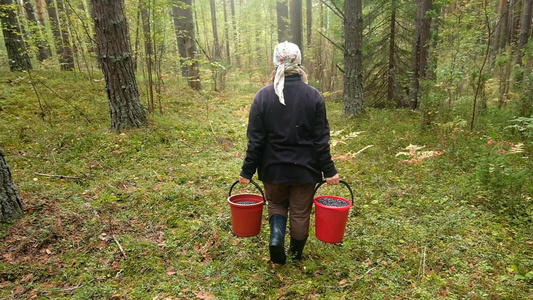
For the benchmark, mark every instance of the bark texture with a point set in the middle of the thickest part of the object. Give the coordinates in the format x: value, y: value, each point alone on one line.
x: 353, y: 58
x: 525, y: 30
x: 43, y: 49
x: 10, y: 204
x: 420, y: 50
x: 282, y: 9
x: 296, y: 24
x: 115, y: 56
x: 186, y: 38
x: 61, y: 36
x: 18, y: 57
x: 216, y: 43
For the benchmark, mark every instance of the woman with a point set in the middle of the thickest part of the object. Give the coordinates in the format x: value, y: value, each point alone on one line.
x: 288, y: 144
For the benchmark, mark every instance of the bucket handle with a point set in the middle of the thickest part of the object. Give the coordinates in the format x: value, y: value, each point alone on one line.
x: 252, y: 182
x: 342, y: 181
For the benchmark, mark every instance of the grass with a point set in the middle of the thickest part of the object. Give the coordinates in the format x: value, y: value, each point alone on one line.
x: 144, y: 215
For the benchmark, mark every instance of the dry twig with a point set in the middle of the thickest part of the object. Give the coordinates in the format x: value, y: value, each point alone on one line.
x: 119, y: 246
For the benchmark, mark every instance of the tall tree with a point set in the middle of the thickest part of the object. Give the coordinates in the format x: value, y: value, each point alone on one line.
x: 393, y: 89
x: 216, y: 44
x: 296, y: 23
x: 235, y: 33
x: 525, y: 30
x: 420, y: 50
x: 282, y: 9
x: 226, y: 31
x: 353, y: 57
x: 10, y: 204
x: 186, y: 38
x: 309, y: 20
x: 146, y: 16
x: 116, y: 59
x: 19, y: 59
x: 36, y: 31
x: 61, y: 35
x: 502, y: 25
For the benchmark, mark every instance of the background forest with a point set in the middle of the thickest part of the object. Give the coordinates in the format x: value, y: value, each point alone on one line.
x: 123, y: 126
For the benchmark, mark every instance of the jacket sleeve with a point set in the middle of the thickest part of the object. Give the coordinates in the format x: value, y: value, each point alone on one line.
x: 256, y: 140
x: 321, y: 141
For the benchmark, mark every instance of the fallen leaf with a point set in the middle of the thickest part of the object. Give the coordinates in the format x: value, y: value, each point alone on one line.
x: 205, y: 295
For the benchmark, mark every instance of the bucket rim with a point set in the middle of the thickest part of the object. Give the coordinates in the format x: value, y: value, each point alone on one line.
x: 259, y: 200
x: 350, y: 203
x: 254, y: 184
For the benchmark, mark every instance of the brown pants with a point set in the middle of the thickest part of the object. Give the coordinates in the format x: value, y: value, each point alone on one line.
x: 292, y: 200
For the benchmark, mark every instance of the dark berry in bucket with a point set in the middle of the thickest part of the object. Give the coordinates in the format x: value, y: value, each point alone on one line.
x: 246, y: 202
x: 332, y: 202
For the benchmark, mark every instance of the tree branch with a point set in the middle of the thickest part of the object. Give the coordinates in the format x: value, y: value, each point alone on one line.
x: 332, y: 42
x: 58, y: 176
x: 334, y: 8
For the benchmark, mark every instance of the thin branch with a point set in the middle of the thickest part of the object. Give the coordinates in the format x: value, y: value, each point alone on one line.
x: 334, y: 8
x: 422, y: 265
x: 37, y: 95
x: 65, y: 100
x: 202, y: 49
x: 119, y: 246
x: 85, y: 28
x: 340, y: 68
x: 480, y: 75
x: 58, y: 176
x: 332, y: 42
x: 358, y: 152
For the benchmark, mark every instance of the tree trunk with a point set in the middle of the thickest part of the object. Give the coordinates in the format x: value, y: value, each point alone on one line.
x: 282, y: 10
x: 61, y: 36
x: 226, y: 32
x: 144, y: 7
x: 236, y: 48
x: 420, y: 50
x: 10, y: 204
x: 309, y: 20
x: 393, y: 90
x: 525, y: 29
x: 19, y: 59
x: 66, y: 58
x: 186, y: 39
x: 43, y: 49
x: 353, y: 58
x: 525, y: 106
x: 504, y: 26
x: 216, y: 44
x: 296, y: 24
x: 116, y: 59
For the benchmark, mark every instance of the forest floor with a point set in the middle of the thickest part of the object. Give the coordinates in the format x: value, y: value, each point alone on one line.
x: 143, y: 214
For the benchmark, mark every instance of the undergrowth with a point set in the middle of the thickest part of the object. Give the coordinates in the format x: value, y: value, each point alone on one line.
x: 142, y: 214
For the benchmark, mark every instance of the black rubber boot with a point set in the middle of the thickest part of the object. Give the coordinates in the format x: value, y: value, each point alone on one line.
x: 277, y: 239
x: 296, y: 248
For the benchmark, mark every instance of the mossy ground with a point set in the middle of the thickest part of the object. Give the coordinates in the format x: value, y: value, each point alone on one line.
x: 142, y: 214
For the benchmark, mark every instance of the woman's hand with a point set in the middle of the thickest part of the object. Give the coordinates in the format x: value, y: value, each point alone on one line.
x: 335, y: 180
x: 244, y: 180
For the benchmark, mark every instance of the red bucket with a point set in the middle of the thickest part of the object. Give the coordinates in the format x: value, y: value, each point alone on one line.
x: 330, y: 220
x: 246, y: 212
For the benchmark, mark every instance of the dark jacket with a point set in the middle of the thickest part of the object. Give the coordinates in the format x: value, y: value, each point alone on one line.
x: 288, y: 143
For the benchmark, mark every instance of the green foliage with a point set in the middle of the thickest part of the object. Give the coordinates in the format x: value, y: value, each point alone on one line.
x: 522, y: 125
x: 143, y: 214
x: 503, y: 175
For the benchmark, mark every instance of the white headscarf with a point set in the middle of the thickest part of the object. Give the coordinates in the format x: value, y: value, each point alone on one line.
x: 287, y: 59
